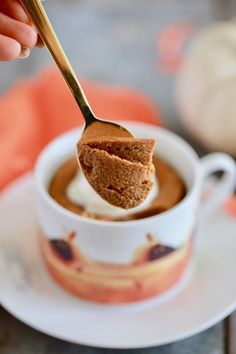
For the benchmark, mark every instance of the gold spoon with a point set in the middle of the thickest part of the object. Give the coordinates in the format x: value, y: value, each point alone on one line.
x: 131, y: 183
x: 93, y: 126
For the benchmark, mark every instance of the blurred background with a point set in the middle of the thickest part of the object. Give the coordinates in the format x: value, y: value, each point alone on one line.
x: 149, y: 45
x: 117, y: 42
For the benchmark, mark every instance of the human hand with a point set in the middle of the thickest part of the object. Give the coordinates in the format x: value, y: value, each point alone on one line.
x: 17, y: 35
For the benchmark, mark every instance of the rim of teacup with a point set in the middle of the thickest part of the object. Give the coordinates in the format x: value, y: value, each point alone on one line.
x: 42, y: 189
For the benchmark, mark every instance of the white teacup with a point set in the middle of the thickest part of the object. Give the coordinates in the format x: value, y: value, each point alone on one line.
x: 110, y: 262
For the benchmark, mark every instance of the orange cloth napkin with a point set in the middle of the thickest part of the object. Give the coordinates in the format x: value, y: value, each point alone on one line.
x: 230, y: 205
x: 35, y: 111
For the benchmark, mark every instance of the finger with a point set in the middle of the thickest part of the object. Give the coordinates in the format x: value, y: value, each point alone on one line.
x: 14, y: 9
x: 9, y: 48
x: 24, y: 34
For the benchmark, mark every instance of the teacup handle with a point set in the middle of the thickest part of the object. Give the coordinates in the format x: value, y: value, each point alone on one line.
x: 212, y: 163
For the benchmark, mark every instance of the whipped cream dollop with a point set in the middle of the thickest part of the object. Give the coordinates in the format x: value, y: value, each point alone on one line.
x: 81, y: 193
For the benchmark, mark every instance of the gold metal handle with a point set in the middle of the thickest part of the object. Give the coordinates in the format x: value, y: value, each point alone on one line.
x: 39, y: 17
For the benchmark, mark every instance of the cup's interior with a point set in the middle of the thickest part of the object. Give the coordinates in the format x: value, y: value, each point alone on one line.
x: 169, y: 147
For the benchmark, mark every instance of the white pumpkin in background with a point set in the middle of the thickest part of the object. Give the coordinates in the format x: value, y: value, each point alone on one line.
x: 206, y: 88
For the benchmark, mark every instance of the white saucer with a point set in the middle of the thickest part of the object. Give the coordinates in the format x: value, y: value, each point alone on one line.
x: 28, y: 292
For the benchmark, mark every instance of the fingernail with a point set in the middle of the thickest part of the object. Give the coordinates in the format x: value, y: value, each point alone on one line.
x: 25, y: 52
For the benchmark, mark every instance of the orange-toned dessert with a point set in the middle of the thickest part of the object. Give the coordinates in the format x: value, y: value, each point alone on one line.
x: 171, y: 190
x: 119, y: 169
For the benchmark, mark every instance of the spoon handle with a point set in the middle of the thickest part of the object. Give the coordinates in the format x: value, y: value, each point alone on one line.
x: 39, y: 17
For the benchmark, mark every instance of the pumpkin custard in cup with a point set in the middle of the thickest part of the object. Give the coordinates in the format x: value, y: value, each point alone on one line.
x: 107, y: 254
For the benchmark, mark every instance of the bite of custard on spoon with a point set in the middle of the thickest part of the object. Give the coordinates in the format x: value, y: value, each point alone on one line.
x: 118, y: 166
